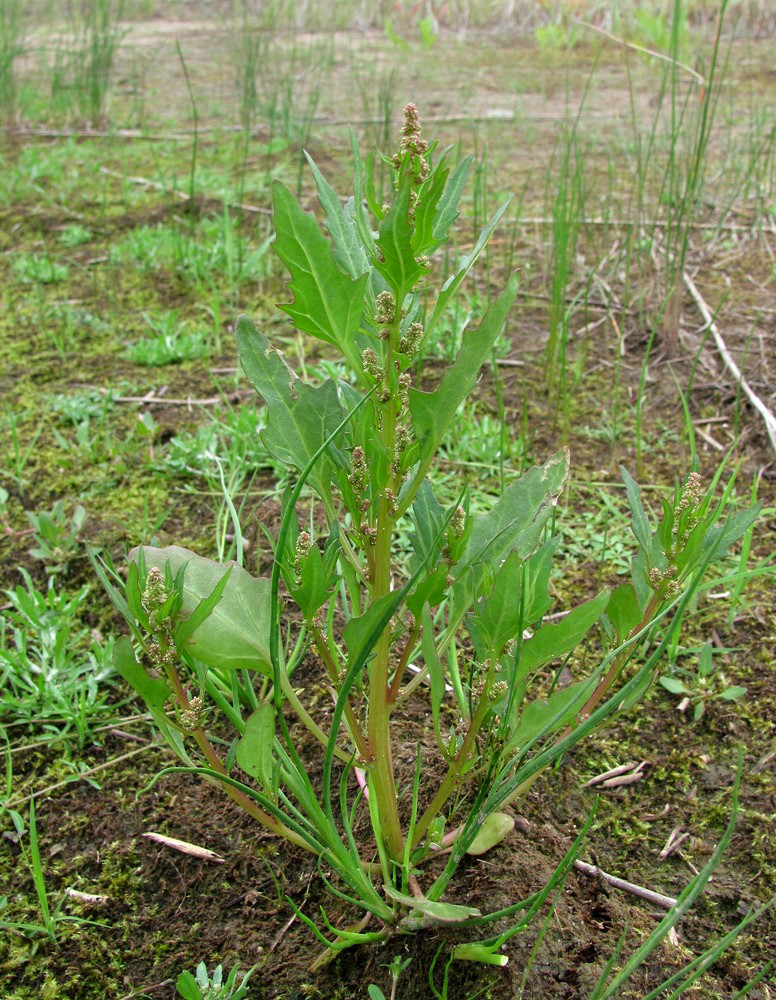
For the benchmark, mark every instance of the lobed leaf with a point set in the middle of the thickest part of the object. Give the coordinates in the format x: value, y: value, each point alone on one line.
x: 399, y: 266
x: 515, y: 522
x: 300, y: 417
x: 499, y: 616
x: 348, y: 248
x: 557, y: 639
x: 328, y: 303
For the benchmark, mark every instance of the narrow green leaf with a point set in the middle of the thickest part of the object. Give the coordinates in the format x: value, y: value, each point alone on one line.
x: 436, y: 673
x: 640, y: 522
x: 316, y: 584
x: 348, y: 249
x: 479, y: 953
x: 623, y: 611
x: 359, y: 194
x: 202, y: 612
x: 444, y: 912
x: 498, y: 618
x: 425, y: 212
x: 721, y: 536
x: 674, y: 685
x: 557, y: 639
x: 454, y: 282
x: 428, y: 515
x: 537, y: 579
x: 542, y: 718
x: 359, y: 632
x: 432, y: 412
x: 447, y: 209
x: 705, y: 659
x: 153, y: 691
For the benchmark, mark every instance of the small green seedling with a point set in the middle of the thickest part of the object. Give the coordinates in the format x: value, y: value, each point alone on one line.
x: 696, y: 690
x: 215, y: 987
x: 395, y: 968
x: 57, y: 537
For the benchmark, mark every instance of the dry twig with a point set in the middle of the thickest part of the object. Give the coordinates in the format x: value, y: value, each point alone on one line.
x: 635, y: 890
x: 193, y: 850
x: 730, y: 364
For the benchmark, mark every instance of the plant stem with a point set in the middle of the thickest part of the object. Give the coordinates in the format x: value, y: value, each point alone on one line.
x: 379, y: 707
x: 453, y: 775
x: 613, y: 671
x: 354, y: 729
x: 215, y: 762
x: 412, y: 639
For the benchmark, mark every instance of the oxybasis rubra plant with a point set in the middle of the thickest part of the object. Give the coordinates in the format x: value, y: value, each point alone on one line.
x: 455, y: 617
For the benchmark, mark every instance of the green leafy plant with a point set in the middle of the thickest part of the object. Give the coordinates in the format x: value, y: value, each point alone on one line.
x: 556, y: 36
x: 12, y: 46
x: 201, y: 986
x: 51, y: 667
x: 57, y: 537
x: 35, y: 268
x: 396, y: 580
x: 395, y: 967
x: 171, y: 343
x: 75, y: 235
x: 84, y: 58
x: 696, y: 690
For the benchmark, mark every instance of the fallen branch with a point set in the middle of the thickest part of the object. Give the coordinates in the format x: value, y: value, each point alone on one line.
x: 186, y: 134
x: 182, y: 195
x: 232, y: 397
x: 86, y: 897
x: 754, y: 399
x: 675, y: 840
x: 645, y: 51
x: 667, y: 902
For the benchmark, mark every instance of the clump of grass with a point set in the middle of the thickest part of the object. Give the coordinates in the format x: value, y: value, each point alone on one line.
x: 51, y: 666
x: 75, y: 235
x: 39, y: 268
x: 81, y: 72
x: 11, y: 47
x: 173, y: 342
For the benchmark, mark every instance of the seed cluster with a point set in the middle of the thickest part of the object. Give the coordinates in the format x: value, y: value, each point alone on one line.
x: 686, y: 516
x: 303, y: 545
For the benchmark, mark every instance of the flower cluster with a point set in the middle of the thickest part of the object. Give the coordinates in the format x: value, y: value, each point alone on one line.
x: 412, y: 146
